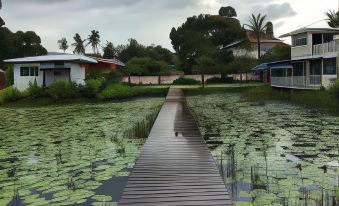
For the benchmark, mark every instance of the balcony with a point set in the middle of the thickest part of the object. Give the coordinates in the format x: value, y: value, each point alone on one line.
x: 297, y: 82
x: 325, y: 48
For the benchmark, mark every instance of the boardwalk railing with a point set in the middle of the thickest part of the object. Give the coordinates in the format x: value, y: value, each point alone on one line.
x: 175, y: 166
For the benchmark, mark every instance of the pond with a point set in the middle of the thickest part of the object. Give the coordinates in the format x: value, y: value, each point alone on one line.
x: 271, y: 153
x: 79, y: 154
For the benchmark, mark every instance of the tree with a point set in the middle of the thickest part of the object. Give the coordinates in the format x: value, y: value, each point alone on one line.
x: 332, y: 18
x: 2, y: 22
x: 227, y: 12
x: 278, y: 53
x: 79, y: 47
x: 204, y: 35
x: 258, y: 26
x: 94, y: 41
x: 204, y: 65
x: 145, y: 66
x: 269, y: 30
x: 109, y: 50
x: 63, y: 44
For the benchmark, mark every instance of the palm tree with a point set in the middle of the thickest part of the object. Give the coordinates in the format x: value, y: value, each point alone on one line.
x: 79, y: 45
x: 63, y: 44
x: 94, y: 40
x: 332, y: 18
x: 258, y: 26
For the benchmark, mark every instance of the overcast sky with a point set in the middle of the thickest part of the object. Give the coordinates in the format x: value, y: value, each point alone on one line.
x: 148, y: 21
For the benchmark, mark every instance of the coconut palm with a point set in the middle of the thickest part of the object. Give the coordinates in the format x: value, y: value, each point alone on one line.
x: 94, y: 40
x: 258, y: 26
x: 63, y: 44
x: 332, y: 18
x: 79, y: 47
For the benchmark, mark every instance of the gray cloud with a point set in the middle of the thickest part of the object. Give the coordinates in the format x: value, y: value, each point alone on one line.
x: 277, y: 11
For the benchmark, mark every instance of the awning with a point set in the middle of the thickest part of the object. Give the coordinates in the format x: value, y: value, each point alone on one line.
x: 282, y: 66
x: 261, y: 67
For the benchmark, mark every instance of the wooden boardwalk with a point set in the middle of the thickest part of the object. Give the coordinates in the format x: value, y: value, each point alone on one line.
x: 175, y: 166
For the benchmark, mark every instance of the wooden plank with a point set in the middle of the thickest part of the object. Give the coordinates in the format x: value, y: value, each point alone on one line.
x: 175, y: 167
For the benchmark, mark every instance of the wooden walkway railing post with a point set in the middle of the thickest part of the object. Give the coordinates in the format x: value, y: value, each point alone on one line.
x: 175, y: 166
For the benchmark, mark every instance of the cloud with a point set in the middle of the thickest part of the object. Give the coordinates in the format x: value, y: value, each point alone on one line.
x: 277, y: 11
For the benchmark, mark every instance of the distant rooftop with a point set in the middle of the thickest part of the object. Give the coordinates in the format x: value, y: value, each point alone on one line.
x: 54, y: 58
x: 110, y: 61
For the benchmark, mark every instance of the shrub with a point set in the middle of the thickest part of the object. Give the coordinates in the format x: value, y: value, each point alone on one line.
x: 217, y: 80
x: 9, y: 75
x: 117, y: 91
x: 63, y: 90
x: 10, y: 94
x: 335, y: 89
x: 92, y: 87
x: 34, y: 91
x: 185, y: 81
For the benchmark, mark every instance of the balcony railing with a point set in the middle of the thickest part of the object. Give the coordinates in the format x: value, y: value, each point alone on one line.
x: 302, y: 82
x: 325, y: 48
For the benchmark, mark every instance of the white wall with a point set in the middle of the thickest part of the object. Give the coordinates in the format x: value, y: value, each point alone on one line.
x: 78, y: 74
x: 22, y: 83
x: 328, y: 80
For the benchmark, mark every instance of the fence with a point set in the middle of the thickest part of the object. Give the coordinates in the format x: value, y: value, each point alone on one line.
x: 156, y: 80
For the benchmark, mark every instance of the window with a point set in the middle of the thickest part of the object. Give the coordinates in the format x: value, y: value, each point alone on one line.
x: 24, y: 71
x: 330, y: 67
x: 301, y: 41
x: 29, y: 71
x: 298, y: 69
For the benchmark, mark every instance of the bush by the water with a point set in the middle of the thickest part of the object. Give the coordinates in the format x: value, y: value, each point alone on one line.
x: 117, y: 91
x: 92, y: 87
x: 11, y: 94
x: 185, y: 81
x: 63, y: 90
x: 34, y: 91
x: 217, y: 80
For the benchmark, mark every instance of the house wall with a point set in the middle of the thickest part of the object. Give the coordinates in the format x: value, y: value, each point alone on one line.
x: 78, y: 73
x: 302, y: 51
x: 22, y: 83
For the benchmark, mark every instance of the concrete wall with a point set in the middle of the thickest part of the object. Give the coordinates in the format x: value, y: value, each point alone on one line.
x: 154, y: 80
x: 246, y: 77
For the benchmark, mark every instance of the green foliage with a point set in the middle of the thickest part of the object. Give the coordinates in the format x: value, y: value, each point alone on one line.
x: 2, y: 22
x: 227, y: 12
x: 63, y: 44
x: 318, y: 99
x: 9, y: 75
x: 92, y: 87
x: 185, y: 81
x: 94, y: 41
x: 258, y: 27
x: 63, y: 90
x: 335, y: 89
x: 332, y: 18
x: 79, y: 47
x: 241, y: 64
x: 34, y: 91
x: 269, y: 30
x: 278, y: 53
x: 222, y: 80
x: 145, y: 66
x: 19, y: 44
x: 116, y: 92
x: 194, y: 39
x: 10, y: 94
x: 109, y: 51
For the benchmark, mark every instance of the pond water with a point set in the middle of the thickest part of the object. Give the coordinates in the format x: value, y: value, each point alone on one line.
x: 271, y: 153
x: 79, y: 154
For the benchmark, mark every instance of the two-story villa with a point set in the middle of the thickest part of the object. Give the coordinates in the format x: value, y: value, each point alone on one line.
x: 313, y: 61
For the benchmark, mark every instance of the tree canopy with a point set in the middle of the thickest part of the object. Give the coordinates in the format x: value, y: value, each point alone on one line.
x: 332, y: 18
x: 278, y: 53
x: 205, y: 35
x: 109, y: 50
x: 63, y: 44
x: 146, y: 66
x: 79, y: 47
x: 227, y: 12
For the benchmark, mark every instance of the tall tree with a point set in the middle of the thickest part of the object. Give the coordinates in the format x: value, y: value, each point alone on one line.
x: 204, y: 35
x: 258, y: 26
x: 94, y: 41
x: 227, y: 12
x: 109, y: 50
x: 269, y: 30
x: 332, y: 18
x: 63, y: 44
x: 204, y: 65
x: 79, y: 47
x: 2, y: 22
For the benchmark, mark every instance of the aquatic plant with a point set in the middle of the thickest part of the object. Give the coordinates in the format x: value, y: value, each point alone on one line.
x: 273, y: 153
x: 69, y: 154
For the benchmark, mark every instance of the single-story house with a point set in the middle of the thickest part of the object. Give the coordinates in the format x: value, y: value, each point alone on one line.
x: 45, y: 70
x: 2, y: 79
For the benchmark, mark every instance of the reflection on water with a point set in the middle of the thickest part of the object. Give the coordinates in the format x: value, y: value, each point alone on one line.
x: 271, y: 154
x: 78, y: 154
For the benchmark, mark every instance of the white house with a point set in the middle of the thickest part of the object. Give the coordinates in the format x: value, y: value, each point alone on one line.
x: 50, y: 68
x: 313, y: 61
